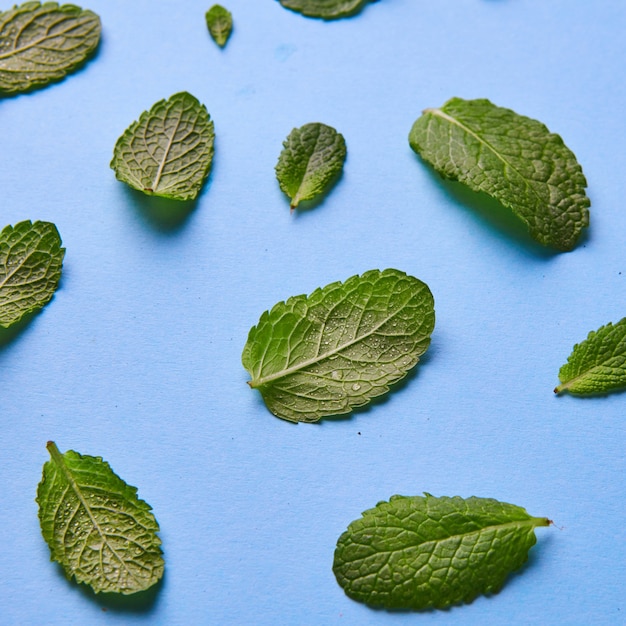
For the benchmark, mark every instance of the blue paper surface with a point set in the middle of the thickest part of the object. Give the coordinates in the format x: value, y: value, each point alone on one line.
x: 137, y: 358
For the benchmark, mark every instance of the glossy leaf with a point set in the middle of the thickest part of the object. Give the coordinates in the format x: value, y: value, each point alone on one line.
x: 219, y: 21
x: 31, y: 259
x: 512, y: 158
x: 336, y: 349
x: 425, y: 552
x: 169, y: 150
x: 97, y: 528
x: 598, y: 364
x: 42, y: 43
x: 312, y: 159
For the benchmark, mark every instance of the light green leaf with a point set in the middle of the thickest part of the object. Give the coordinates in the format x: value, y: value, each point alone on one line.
x: 169, y: 150
x: 327, y: 353
x: 598, y: 364
x: 326, y: 9
x: 512, y: 158
x: 219, y: 21
x: 31, y: 258
x: 312, y: 159
x: 96, y: 527
x: 425, y: 552
x: 42, y: 43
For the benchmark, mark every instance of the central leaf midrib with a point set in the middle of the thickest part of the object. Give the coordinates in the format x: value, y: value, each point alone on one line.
x: 582, y: 375
x: 319, y: 358
x: 308, y: 163
x: 170, y: 143
x: 17, y: 51
x: 60, y: 463
x: 533, y: 522
x: 487, y: 144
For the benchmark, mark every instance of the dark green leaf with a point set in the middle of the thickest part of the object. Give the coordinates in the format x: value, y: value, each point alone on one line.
x: 425, y: 552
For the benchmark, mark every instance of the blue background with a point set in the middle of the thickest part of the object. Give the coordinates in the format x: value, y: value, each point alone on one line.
x: 137, y: 358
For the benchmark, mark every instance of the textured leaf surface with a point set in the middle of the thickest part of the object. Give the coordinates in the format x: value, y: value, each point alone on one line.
x: 312, y: 158
x: 31, y: 258
x: 426, y: 552
x: 324, y: 354
x: 326, y: 9
x: 598, y: 364
x: 42, y: 43
x: 169, y: 150
x: 219, y: 21
x: 512, y: 158
x: 95, y: 526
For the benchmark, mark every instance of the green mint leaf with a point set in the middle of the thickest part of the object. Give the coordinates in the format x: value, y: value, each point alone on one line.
x: 336, y: 349
x: 312, y: 159
x: 96, y: 527
x: 219, y: 21
x: 31, y: 258
x: 326, y: 9
x: 598, y: 364
x: 425, y: 552
x: 512, y: 158
x: 42, y: 43
x: 169, y: 150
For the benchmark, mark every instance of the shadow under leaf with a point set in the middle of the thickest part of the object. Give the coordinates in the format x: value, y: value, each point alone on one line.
x: 163, y: 214
x: 143, y: 603
x: 10, y: 334
x: 494, y: 216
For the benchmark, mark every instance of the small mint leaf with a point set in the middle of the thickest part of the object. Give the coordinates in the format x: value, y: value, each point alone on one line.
x: 425, y: 552
x: 219, y: 21
x: 96, y: 527
x: 31, y: 259
x: 311, y: 160
x: 512, y: 158
x: 169, y: 150
x: 336, y: 349
x: 42, y: 43
x: 598, y: 364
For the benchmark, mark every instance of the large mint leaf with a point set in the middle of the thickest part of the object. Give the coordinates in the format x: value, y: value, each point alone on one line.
x: 336, y: 349
x: 512, y: 158
x: 42, y: 43
x: 426, y: 552
x: 219, y: 21
x: 326, y: 9
x: 169, y: 150
x: 97, y: 528
x: 311, y: 160
x: 598, y: 364
x: 31, y: 258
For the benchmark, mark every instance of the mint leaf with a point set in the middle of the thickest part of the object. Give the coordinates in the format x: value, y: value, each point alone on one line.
x: 169, y: 150
x: 312, y: 159
x: 425, y: 552
x: 326, y: 9
x: 512, y: 158
x: 95, y: 526
x: 42, y: 43
x: 31, y: 258
x: 327, y: 353
x: 219, y: 21
x: 598, y: 364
